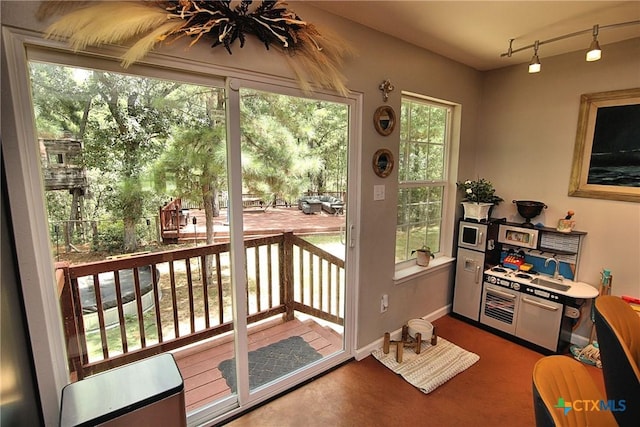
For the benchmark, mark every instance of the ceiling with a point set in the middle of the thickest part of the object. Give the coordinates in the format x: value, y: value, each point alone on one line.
x: 476, y: 33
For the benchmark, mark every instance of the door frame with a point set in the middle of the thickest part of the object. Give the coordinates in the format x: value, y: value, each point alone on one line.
x: 233, y: 87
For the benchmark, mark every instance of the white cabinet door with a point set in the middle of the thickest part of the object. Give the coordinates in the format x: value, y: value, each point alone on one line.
x: 539, y: 321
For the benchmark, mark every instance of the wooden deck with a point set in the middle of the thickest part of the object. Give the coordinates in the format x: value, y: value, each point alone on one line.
x: 199, y: 364
x: 260, y: 222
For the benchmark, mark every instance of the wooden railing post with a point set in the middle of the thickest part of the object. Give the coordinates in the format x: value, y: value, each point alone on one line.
x: 286, y: 273
x: 70, y: 325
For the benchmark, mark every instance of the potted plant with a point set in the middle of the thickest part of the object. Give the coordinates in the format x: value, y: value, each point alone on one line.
x: 423, y: 256
x: 479, y: 197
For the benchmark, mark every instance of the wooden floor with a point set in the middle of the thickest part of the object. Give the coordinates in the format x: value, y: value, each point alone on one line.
x: 198, y: 364
x: 495, y: 391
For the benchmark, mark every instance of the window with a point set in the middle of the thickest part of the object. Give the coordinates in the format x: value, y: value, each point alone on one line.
x: 423, y: 182
x: 56, y: 159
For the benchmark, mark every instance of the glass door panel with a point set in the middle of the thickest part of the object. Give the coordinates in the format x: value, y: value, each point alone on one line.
x: 294, y: 186
x: 134, y: 173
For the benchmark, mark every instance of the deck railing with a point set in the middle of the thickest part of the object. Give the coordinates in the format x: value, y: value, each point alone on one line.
x: 188, y: 297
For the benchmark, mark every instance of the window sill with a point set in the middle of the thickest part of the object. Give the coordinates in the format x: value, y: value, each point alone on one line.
x: 412, y: 271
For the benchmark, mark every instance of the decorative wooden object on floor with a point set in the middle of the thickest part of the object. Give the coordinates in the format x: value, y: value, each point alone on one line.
x: 405, y: 341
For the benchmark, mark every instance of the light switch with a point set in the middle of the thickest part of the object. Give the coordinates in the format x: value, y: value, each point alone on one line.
x: 378, y: 192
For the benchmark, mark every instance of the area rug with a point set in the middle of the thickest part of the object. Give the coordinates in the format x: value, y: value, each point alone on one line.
x: 271, y: 362
x: 434, y: 366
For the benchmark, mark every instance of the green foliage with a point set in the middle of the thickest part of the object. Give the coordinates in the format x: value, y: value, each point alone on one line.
x: 58, y: 203
x: 292, y: 145
x: 65, y: 110
x: 110, y: 237
x: 147, y: 140
x: 480, y: 191
x: 194, y: 163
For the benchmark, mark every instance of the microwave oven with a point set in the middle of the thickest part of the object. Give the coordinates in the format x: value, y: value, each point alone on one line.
x: 518, y: 236
x: 472, y: 235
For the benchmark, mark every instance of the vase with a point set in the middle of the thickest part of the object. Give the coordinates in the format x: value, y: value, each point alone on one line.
x: 565, y: 225
x: 477, y: 211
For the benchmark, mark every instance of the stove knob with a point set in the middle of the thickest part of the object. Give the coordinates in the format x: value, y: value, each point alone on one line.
x: 515, y: 286
x: 492, y: 279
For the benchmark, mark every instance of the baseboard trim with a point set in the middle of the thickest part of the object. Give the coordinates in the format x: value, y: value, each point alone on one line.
x: 365, y: 351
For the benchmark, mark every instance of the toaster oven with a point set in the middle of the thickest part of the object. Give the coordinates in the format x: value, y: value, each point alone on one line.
x: 518, y: 236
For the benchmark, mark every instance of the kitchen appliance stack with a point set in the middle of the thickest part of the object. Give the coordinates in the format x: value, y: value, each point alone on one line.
x: 504, y: 282
x: 478, y: 249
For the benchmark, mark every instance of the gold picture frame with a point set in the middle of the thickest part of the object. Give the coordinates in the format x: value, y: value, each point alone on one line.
x: 384, y: 120
x: 606, y: 156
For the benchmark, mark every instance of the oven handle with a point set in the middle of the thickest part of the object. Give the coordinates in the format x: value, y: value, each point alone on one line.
x: 500, y: 293
x: 539, y: 304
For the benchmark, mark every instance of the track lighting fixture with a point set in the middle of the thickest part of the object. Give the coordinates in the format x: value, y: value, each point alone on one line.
x: 594, y: 53
x: 534, y: 65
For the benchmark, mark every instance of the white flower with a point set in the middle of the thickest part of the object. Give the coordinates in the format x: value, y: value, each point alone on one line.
x: 469, y: 191
x: 467, y: 182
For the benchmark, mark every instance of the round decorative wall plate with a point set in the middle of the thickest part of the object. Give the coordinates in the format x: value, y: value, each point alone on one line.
x: 384, y: 120
x: 383, y: 162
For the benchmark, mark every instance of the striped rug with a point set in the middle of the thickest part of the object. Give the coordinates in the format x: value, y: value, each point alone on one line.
x: 434, y: 366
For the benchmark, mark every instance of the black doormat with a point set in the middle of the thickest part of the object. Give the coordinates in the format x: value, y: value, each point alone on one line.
x: 271, y: 362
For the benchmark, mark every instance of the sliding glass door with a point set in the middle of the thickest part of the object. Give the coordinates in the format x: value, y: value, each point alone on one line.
x: 207, y: 218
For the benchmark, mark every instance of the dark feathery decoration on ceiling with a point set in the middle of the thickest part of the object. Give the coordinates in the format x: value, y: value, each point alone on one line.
x: 313, y: 56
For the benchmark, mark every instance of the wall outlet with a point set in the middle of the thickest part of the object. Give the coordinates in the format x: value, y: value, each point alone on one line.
x: 384, y: 303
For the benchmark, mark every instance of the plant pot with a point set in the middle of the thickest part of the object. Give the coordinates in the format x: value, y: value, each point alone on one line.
x: 423, y: 258
x: 477, y: 211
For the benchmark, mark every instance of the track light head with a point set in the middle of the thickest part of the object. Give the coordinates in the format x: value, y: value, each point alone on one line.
x: 594, y: 53
x: 534, y: 65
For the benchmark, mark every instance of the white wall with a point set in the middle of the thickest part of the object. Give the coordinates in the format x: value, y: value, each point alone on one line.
x: 527, y: 134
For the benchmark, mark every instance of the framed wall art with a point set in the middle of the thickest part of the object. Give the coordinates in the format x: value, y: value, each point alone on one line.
x: 606, y: 157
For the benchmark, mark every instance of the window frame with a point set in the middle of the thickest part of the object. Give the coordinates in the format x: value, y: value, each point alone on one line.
x: 404, y: 270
